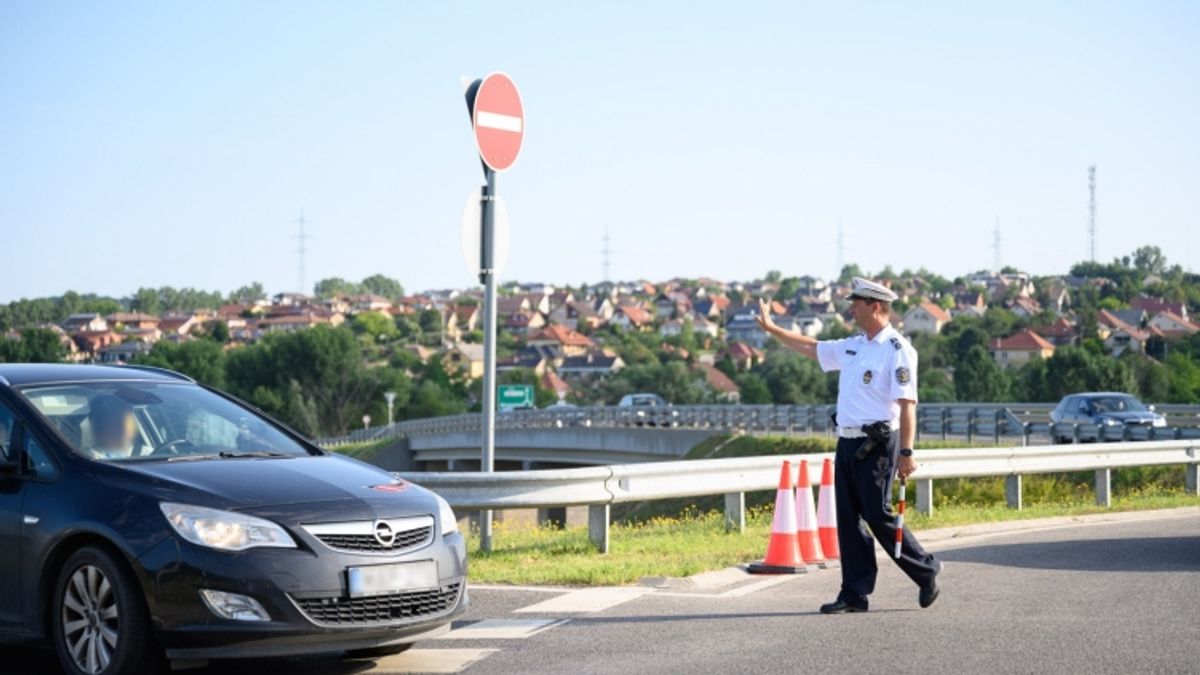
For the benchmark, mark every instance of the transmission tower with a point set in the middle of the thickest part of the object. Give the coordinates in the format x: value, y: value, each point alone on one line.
x: 996, y: 246
x: 1092, y: 209
x: 301, y: 249
x: 607, y: 253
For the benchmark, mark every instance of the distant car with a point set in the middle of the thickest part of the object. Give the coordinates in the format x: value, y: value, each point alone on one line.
x: 1114, y: 411
x: 638, y: 400
x: 145, y: 516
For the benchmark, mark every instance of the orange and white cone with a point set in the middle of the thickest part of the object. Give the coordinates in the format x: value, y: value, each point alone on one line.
x: 783, y: 551
x: 806, y: 519
x: 827, y: 513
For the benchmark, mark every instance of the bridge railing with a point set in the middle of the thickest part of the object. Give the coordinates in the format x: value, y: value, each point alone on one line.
x: 599, y: 488
x: 972, y: 421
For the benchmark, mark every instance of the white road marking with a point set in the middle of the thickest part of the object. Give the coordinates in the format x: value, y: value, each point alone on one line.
x: 502, y: 629
x: 586, y: 600
x: 431, y: 661
x: 521, y: 589
x: 493, y: 120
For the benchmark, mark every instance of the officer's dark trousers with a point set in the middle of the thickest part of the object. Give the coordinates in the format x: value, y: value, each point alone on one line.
x: 864, y: 491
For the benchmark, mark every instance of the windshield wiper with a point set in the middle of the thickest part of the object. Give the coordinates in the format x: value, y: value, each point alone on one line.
x: 225, y: 454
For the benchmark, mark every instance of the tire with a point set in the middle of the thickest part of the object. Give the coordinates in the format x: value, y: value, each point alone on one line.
x: 378, y: 652
x: 98, y: 611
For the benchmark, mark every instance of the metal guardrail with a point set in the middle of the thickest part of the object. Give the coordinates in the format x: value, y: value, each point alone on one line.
x: 599, y: 488
x: 996, y: 421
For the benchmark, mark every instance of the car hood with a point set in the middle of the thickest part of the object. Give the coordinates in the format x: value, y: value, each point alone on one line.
x: 327, y: 487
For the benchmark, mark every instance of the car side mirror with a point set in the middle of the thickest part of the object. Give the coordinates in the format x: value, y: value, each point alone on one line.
x: 9, y: 466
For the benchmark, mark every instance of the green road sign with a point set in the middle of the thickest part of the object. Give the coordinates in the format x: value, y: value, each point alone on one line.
x: 511, y: 396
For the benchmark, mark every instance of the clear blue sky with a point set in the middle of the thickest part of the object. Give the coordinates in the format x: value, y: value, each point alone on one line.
x: 149, y: 144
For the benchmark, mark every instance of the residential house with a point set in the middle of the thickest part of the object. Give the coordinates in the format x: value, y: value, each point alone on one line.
x: 1061, y: 333
x: 506, y: 306
x: 704, y: 327
x: 90, y: 342
x: 603, y: 306
x: 596, y: 363
x: 573, y: 312
x: 726, y: 389
x: 925, y: 317
x: 1026, y: 307
x: 671, y: 328
x: 368, y: 302
x: 1020, y: 348
x: 523, y: 323
x: 291, y: 300
x: 631, y: 318
x: 178, y: 324
x: 567, y: 341
x: 461, y: 319
x: 1172, y: 325
x: 465, y: 357
x: 745, y: 328
x: 92, y: 323
x: 132, y: 321
x: 550, y: 380
x: 282, y: 323
x: 743, y: 356
x: 539, y: 359
x: 124, y: 352
x: 1153, y: 306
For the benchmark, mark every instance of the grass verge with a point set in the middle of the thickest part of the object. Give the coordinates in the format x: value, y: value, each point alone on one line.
x: 697, y: 541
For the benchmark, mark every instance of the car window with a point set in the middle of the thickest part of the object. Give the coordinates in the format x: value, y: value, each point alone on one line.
x: 132, y: 421
x: 6, y: 431
x: 37, y: 460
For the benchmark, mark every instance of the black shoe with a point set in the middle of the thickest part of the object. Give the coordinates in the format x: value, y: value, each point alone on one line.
x: 929, y: 594
x: 840, y: 606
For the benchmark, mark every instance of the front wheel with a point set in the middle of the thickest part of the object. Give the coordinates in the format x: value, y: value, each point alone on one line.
x: 99, y: 622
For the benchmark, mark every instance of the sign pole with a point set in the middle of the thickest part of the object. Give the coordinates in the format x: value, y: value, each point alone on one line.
x: 488, y: 277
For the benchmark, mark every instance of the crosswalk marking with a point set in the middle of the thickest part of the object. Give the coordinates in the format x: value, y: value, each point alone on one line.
x: 502, y: 629
x: 430, y: 661
x: 586, y: 600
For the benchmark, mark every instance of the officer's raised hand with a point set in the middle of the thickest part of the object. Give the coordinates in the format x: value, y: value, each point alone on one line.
x: 764, y: 315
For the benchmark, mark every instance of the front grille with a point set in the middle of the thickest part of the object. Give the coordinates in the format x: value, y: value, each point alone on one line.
x: 367, y: 543
x: 379, y: 609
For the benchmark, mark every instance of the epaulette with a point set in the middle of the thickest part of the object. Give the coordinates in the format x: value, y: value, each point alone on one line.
x: 896, y: 343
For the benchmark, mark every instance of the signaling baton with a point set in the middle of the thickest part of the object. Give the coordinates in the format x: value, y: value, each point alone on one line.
x: 900, y: 518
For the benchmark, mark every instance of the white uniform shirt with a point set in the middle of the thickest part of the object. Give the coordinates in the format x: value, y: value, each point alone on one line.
x: 875, y: 374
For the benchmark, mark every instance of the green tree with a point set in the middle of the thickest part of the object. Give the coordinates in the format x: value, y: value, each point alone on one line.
x: 248, y: 294
x: 754, y: 389
x: 979, y: 379
x: 374, y: 325
x: 1075, y: 369
x: 793, y: 379
x: 36, y: 345
x: 219, y: 331
x: 383, y: 286
x: 335, y: 286
x: 203, y: 360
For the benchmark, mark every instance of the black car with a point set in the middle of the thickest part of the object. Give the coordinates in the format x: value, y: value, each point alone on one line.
x: 1113, y: 412
x: 144, y: 517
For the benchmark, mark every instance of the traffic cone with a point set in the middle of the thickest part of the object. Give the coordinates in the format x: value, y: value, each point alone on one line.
x: 783, y: 551
x: 827, y: 514
x: 806, y: 517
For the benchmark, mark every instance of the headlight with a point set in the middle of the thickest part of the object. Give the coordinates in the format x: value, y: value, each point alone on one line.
x: 225, y: 530
x: 1108, y: 421
x: 446, y: 516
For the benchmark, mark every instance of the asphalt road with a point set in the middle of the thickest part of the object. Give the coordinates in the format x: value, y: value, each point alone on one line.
x: 1094, y: 598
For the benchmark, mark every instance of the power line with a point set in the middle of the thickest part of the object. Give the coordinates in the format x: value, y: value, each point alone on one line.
x: 301, y: 249
x: 1092, y: 209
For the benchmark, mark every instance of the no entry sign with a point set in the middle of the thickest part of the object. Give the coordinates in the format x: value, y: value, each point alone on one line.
x: 499, y: 121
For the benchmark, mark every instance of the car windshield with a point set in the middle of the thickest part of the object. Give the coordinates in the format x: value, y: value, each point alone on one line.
x: 1115, y: 404
x: 143, y: 421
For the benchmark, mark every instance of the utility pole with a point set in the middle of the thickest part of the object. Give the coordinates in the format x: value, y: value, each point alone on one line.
x: 1092, y: 209
x: 301, y: 250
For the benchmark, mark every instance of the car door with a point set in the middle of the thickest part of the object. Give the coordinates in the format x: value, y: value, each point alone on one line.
x: 12, y: 494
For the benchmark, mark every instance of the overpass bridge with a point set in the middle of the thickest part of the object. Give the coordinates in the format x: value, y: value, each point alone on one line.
x: 597, y: 436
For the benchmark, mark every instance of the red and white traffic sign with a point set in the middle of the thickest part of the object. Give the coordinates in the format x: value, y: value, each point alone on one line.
x: 499, y: 121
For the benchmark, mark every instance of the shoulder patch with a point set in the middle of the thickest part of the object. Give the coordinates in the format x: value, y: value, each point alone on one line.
x: 903, y: 375
x: 896, y: 342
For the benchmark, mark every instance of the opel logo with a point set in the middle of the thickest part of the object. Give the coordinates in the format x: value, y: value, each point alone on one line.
x: 384, y: 534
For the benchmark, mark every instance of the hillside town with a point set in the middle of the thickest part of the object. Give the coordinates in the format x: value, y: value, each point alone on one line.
x: 573, y: 339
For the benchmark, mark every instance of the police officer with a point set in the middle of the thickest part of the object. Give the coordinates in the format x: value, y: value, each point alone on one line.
x: 877, y: 384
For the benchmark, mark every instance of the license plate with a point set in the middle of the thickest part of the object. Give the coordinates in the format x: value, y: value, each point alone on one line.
x: 384, y: 579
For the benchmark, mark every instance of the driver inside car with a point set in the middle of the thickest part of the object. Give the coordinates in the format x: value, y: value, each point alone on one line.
x: 114, y: 428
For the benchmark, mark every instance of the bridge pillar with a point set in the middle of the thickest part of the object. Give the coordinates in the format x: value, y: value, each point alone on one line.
x: 1192, y: 479
x: 1012, y: 490
x: 598, y: 517
x: 735, y: 512
x: 925, y: 496
x: 1104, y: 487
